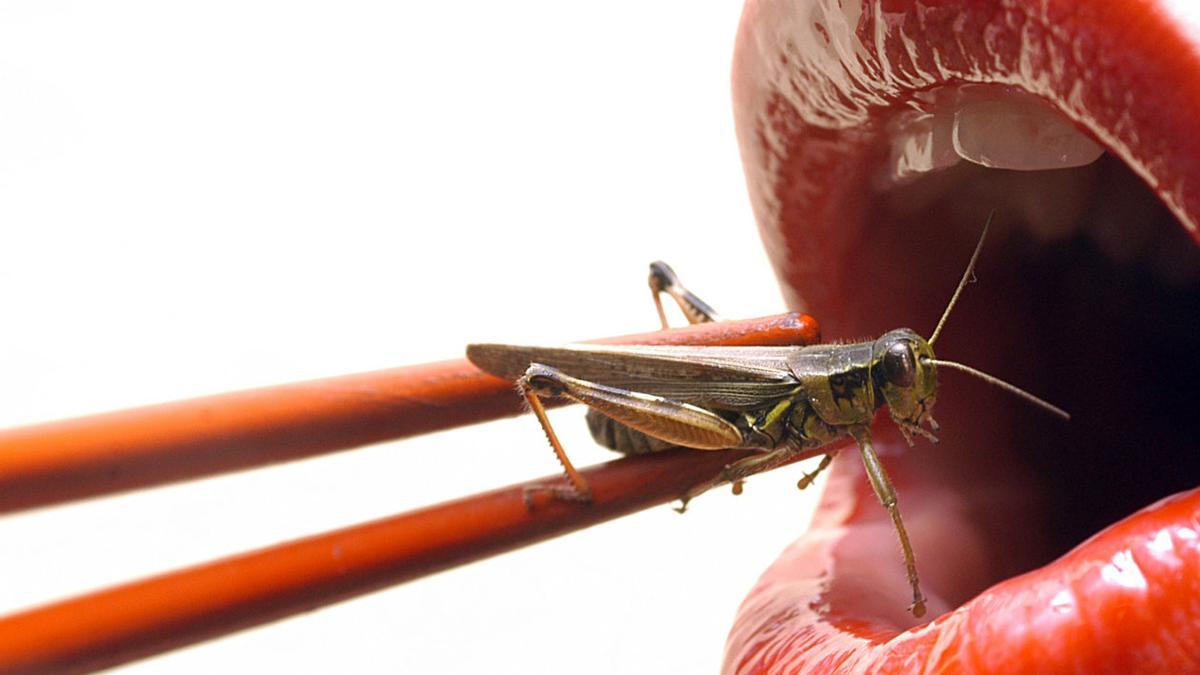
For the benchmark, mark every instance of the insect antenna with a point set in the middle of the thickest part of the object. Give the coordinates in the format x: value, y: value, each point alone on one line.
x: 1011, y: 388
x: 966, y: 278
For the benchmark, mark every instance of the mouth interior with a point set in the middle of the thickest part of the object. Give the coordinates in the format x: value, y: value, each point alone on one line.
x: 1119, y: 325
x: 1087, y: 295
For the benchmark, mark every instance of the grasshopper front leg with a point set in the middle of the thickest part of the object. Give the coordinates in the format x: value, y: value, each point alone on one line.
x: 662, y: 418
x: 887, y: 496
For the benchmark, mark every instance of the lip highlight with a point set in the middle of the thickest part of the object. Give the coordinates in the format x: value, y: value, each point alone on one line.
x: 818, y: 86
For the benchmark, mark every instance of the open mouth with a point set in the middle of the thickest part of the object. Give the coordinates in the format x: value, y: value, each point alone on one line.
x: 878, y: 136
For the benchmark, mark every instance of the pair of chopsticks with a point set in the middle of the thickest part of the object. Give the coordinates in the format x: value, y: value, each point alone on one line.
x: 62, y: 461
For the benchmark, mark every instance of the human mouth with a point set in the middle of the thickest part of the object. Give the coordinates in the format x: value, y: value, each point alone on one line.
x: 877, y: 137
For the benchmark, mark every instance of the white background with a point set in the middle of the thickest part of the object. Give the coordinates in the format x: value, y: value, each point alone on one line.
x: 200, y: 197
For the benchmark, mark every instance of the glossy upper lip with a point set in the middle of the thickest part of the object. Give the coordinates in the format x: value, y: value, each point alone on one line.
x: 815, y: 83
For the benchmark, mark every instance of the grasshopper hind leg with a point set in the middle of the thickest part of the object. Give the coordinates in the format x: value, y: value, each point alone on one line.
x: 664, y: 420
x: 577, y: 488
x: 620, y: 437
x: 664, y: 280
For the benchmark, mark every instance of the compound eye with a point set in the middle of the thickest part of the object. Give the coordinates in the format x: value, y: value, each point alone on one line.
x: 899, y: 365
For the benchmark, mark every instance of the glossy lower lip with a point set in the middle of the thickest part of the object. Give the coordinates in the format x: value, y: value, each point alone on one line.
x: 815, y: 83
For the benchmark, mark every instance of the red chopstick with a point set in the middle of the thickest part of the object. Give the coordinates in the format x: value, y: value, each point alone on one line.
x: 137, y: 448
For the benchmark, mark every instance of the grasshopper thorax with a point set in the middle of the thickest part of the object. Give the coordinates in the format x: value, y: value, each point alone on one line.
x: 903, y: 370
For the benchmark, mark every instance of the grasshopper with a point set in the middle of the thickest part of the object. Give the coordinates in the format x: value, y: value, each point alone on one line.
x: 779, y: 400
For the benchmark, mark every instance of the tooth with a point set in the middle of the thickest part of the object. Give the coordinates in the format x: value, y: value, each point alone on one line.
x: 1020, y: 134
x: 923, y: 144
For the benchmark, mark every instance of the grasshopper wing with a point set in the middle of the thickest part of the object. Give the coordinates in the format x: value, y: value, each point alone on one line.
x: 731, y: 378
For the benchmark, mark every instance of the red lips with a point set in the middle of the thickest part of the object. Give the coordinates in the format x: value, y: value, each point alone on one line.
x: 1072, y: 314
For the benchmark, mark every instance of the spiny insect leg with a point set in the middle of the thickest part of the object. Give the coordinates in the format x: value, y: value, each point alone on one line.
x: 578, y: 488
